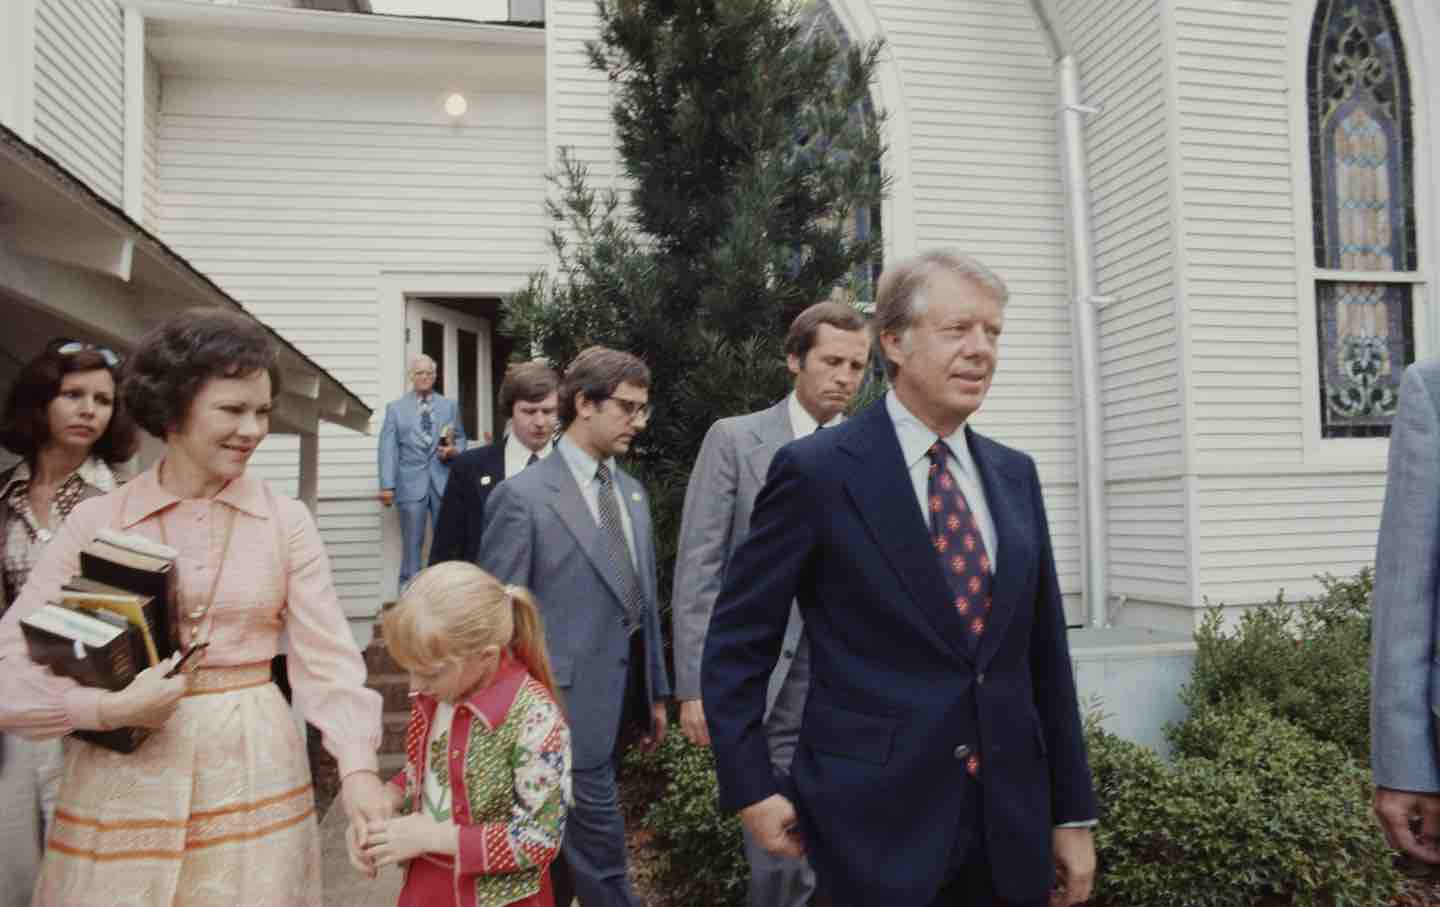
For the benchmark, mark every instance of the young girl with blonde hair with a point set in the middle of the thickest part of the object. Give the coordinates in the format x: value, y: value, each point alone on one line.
x: 481, y: 803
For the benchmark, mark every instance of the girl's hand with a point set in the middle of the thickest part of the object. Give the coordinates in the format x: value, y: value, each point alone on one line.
x: 355, y: 845
x: 395, y: 840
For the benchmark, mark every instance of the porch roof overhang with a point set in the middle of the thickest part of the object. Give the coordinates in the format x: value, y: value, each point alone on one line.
x: 72, y: 262
x: 315, y: 47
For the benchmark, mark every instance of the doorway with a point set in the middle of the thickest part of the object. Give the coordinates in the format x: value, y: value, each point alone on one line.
x: 460, y: 343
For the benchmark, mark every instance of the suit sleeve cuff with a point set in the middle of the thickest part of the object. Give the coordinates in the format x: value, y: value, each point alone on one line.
x: 1084, y: 823
x: 82, y: 708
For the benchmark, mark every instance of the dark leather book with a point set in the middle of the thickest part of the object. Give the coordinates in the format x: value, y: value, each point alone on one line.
x: 141, y: 573
x: 94, y: 651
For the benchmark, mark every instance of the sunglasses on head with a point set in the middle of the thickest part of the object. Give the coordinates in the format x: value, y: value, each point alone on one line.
x: 73, y: 347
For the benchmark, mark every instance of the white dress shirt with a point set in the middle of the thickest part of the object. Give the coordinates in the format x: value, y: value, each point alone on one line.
x: 517, y: 455
x: 583, y: 467
x: 915, y: 443
x: 801, y: 422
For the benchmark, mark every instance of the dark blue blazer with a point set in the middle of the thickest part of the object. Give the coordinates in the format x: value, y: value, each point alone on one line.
x: 895, y: 691
x: 473, y: 475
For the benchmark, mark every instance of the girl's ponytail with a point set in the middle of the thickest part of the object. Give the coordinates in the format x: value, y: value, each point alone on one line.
x: 528, y: 641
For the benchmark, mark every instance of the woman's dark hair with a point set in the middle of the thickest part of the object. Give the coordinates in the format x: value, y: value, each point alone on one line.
x: 175, y: 359
x: 25, y: 429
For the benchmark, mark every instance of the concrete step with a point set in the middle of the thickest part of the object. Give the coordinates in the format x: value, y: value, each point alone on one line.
x: 377, y: 658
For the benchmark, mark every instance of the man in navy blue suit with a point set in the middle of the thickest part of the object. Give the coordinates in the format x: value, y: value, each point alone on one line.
x: 529, y: 397
x: 941, y: 758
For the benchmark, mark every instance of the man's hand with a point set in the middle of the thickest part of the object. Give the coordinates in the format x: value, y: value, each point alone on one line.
x: 445, y: 453
x: 387, y: 496
x: 1410, y: 821
x: 774, y: 826
x: 1074, y: 866
x: 692, y: 722
x: 659, y: 722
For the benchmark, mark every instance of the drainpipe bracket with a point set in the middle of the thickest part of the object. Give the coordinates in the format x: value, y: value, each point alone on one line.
x: 1086, y: 109
x: 1101, y: 302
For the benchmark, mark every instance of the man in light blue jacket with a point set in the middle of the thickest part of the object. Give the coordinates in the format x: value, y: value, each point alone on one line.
x: 422, y: 432
x: 1406, y: 622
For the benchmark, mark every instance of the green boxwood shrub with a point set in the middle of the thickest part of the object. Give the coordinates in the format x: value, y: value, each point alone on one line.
x: 1251, y: 810
x: 699, y: 853
x: 1308, y: 661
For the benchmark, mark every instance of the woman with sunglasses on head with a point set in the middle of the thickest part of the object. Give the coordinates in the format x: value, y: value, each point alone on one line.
x: 216, y: 807
x: 62, y: 418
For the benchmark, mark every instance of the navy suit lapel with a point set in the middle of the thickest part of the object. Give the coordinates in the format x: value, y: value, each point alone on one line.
x: 1005, y: 497
x: 885, y: 500
x: 569, y: 504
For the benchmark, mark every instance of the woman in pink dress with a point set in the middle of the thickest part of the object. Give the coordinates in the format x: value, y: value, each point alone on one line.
x: 216, y: 808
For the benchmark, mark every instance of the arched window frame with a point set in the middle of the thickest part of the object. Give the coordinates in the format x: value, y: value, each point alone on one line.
x: 1425, y: 109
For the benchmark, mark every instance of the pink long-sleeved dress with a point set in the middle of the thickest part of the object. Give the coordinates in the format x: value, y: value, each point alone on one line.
x: 217, y: 806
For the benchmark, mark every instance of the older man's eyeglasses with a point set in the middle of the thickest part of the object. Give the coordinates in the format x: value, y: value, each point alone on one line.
x: 75, y: 347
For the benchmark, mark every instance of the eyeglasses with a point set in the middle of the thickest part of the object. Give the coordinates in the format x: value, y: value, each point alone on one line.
x: 74, y: 347
x: 633, y: 409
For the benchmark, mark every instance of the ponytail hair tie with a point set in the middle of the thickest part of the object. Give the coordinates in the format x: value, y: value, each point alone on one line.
x: 510, y: 595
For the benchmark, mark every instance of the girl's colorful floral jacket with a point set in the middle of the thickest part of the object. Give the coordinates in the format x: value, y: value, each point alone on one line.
x: 511, y: 785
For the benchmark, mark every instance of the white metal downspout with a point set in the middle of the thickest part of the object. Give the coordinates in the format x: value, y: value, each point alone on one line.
x: 1085, y: 322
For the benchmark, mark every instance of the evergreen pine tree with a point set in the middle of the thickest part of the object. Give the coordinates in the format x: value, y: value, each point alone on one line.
x: 747, y: 146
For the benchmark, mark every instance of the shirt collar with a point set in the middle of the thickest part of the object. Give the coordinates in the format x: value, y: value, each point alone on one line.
x: 801, y: 422
x: 94, y: 472
x: 515, y: 452
x: 492, y: 702
x: 145, y: 496
x: 916, y: 438
x: 580, y: 462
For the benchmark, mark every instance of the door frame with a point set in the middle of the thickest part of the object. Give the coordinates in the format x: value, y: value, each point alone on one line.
x: 417, y: 310
x: 396, y: 289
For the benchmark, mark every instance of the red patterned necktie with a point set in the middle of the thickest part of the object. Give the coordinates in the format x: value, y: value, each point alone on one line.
x: 961, y: 550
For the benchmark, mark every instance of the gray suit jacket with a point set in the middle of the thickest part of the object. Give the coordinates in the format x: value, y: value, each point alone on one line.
x: 409, y: 466
x: 728, y: 474
x: 1406, y: 621
x: 540, y: 534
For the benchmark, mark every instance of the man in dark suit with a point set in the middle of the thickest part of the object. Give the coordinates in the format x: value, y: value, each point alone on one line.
x: 826, y: 350
x: 941, y: 757
x: 528, y: 399
x: 576, y: 530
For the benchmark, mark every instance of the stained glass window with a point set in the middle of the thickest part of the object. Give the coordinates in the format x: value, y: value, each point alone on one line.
x: 1363, y: 202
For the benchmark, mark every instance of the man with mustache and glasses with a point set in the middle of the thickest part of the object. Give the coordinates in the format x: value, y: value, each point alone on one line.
x: 575, y: 529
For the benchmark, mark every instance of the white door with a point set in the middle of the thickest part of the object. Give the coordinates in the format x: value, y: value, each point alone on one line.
x: 460, y: 345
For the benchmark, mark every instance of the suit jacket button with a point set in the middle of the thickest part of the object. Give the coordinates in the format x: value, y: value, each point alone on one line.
x: 980, y: 680
x: 962, y: 751
x: 789, y: 653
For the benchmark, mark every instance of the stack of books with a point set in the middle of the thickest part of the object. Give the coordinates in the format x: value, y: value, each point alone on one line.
x: 112, y: 620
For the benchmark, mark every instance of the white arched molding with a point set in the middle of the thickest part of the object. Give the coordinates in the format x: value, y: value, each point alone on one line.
x: 888, y: 92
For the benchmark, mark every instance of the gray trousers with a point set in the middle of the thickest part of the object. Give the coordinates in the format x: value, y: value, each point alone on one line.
x: 781, y: 881
x: 594, y: 844
x: 414, y: 517
x: 29, y: 782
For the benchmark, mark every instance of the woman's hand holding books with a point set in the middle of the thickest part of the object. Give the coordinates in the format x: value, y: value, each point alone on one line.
x: 149, y: 700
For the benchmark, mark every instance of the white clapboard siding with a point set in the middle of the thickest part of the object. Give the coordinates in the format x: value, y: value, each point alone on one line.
x: 1240, y: 243
x: 1266, y: 518
x: 80, y: 90
x: 980, y: 94
x: 295, y: 199
x: 150, y: 198
x: 577, y: 96
x: 1261, y: 534
x: 1119, y: 45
